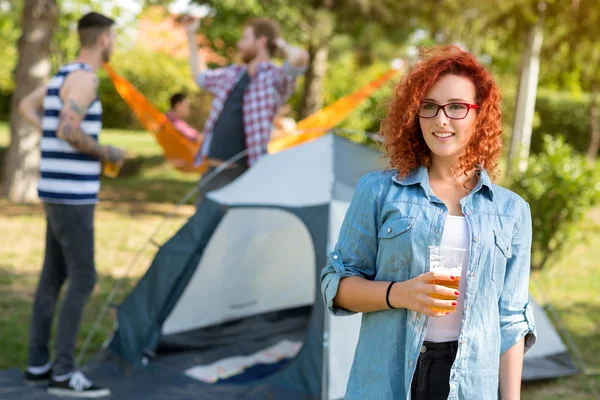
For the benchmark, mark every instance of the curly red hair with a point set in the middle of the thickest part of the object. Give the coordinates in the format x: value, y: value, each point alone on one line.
x: 401, y: 131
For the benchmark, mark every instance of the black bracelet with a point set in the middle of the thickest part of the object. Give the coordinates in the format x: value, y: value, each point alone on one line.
x: 387, y: 295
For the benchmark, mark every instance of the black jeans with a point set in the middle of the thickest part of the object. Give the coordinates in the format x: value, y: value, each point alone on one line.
x: 69, y: 255
x: 431, y: 380
x: 222, y: 179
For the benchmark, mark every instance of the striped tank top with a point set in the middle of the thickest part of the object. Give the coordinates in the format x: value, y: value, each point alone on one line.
x: 66, y: 175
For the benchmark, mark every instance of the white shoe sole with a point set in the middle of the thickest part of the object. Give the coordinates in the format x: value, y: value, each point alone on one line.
x: 79, y: 395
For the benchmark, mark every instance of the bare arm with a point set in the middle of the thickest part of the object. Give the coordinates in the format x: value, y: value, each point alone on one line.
x: 511, y: 369
x: 31, y: 105
x: 362, y: 295
x: 77, y: 93
x: 296, y: 56
x: 197, y: 62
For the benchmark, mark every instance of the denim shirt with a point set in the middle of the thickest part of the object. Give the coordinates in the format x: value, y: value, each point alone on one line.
x: 385, y: 237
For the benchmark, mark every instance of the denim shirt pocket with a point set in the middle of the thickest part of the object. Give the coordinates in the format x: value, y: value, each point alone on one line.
x: 502, y: 253
x: 395, y: 243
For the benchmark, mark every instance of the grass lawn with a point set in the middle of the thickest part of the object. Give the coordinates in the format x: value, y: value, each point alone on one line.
x: 131, y: 208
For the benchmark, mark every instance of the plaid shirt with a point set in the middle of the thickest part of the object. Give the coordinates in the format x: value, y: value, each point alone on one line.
x: 268, y: 90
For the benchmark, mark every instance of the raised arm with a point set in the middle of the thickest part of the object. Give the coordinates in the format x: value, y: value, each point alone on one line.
x: 77, y: 93
x: 296, y: 56
x: 197, y: 62
x: 31, y: 106
x: 296, y: 62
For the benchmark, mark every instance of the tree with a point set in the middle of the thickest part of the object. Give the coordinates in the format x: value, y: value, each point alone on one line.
x: 39, y: 20
x: 526, y: 94
x: 561, y: 188
x: 9, y: 34
x: 321, y: 30
x: 573, y: 55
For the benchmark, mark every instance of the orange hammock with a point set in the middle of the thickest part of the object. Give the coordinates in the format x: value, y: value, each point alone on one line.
x: 180, y: 152
x: 320, y: 122
x: 177, y: 149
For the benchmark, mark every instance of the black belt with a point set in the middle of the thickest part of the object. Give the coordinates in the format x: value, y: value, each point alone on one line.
x: 432, y: 346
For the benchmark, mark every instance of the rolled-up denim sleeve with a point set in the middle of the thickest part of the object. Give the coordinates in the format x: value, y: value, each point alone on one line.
x: 516, y: 311
x: 356, y: 250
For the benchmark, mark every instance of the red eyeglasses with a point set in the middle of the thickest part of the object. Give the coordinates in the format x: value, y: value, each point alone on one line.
x: 451, y: 110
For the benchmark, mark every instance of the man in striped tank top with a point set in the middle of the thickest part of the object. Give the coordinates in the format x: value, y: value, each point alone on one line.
x: 69, y: 183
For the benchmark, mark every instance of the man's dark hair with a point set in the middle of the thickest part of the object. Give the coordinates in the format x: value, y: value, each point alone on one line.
x: 176, y: 99
x: 91, y: 26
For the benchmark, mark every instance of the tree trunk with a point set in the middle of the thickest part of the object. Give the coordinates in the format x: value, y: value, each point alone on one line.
x: 318, y: 49
x: 515, y: 138
x: 312, y: 100
x: 22, y: 162
x: 525, y: 104
x: 594, y: 125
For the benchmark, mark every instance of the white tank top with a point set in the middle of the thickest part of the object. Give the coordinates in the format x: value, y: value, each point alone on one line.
x: 447, y: 328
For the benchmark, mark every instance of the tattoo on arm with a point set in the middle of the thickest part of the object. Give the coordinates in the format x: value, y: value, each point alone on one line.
x: 70, y: 131
x: 76, y: 108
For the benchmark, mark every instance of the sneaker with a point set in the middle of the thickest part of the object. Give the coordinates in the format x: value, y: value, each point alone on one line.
x: 36, y: 379
x: 77, y: 386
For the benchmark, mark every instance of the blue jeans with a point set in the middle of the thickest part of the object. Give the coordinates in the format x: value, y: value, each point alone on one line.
x: 69, y: 255
x: 431, y: 380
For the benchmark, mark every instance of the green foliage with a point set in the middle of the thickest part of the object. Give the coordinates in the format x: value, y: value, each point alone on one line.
x: 10, y: 18
x: 367, y: 34
x: 559, y: 113
x: 561, y: 187
x: 571, y: 48
x: 344, y: 76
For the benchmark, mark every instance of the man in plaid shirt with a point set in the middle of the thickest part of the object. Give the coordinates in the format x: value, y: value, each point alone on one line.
x: 247, y: 97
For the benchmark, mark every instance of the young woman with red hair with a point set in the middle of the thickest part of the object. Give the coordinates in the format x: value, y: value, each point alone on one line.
x: 443, y: 139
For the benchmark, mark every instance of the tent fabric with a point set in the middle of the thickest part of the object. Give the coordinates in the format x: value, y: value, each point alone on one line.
x: 245, y: 332
x: 140, y: 317
x: 314, y: 173
x: 290, y: 243
x: 549, y: 357
x: 165, y: 326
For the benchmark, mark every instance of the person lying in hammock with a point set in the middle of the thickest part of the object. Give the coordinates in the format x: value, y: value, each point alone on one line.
x: 179, y: 112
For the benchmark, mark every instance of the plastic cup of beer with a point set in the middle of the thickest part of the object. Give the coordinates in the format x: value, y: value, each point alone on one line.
x: 449, y: 260
x: 111, y: 169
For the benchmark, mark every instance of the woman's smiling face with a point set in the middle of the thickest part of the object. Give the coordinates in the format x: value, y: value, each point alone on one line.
x: 444, y: 136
